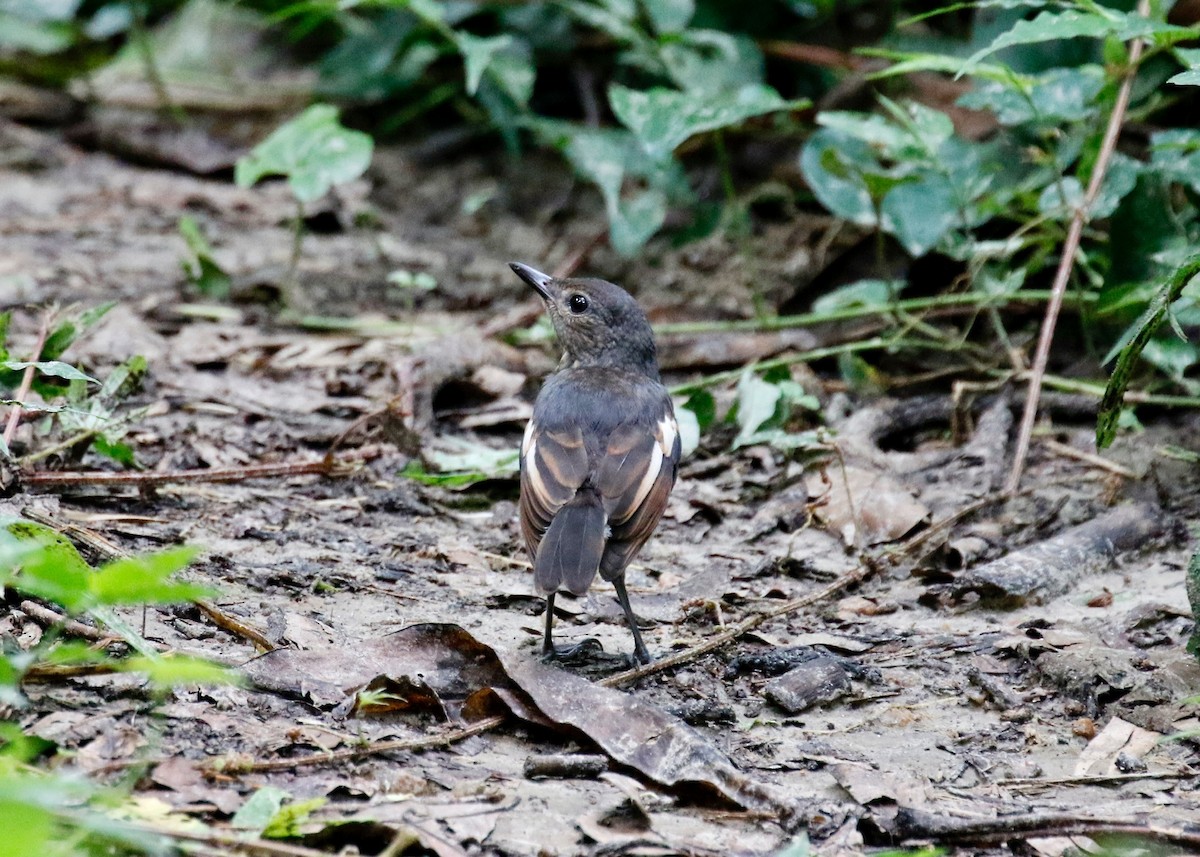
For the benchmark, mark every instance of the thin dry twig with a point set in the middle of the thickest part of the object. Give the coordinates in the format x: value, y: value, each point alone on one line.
x: 108, y: 549
x: 865, y: 570
x: 1089, y: 458
x: 321, y: 467
x: 14, y: 416
x: 1067, y: 261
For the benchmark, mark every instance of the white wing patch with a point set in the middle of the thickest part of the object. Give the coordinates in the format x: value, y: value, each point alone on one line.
x: 527, y: 441
x: 668, y: 430
x: 652, y: 469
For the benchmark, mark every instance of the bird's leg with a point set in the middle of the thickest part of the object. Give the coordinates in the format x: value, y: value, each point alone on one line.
x: 579, y: 652
x: 640, y: 654
x: 548, y: 639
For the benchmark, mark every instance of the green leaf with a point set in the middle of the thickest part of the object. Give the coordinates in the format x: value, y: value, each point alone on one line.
x: 1138, y: 336
x: 920, y: 212
x: 1191, y: 77
x: 287, y: 823
x: 689, y: 431
x: 50, y: 566
x: 704, y: 406
x: 169, y: 671
x: 52, y: 368
x: 1119, y: 181
x: 143, y: 580
x: 1176, y: 155
x: 662, y: 119
x: 1058, y: 95
x: 608, y: 158
x: 862, y: 293
x: 202, y: 269
x: 1050, y: 27
x: 710, y: 61
x: 258, y: 810
x: 1060, y: 198
x: 757, y: 401
x: 122, y: 453
x: 670, y: 16
x: 313, y: 150
x: 830, y: 161
x: 478, y: 54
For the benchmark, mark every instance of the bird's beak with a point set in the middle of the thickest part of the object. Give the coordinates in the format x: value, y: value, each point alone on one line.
x: 543, y: 283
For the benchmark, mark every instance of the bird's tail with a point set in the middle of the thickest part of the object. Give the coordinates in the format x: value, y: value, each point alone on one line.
x: 569, y: 554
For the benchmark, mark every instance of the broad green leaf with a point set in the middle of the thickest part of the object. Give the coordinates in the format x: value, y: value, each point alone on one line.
x: 167, y: 671
x: 1061, y: 198
x: 711, y: 61
x: 53, y: 569
x: 53, y: 368
x: 1191, y: 77
x: 122, y: 453
x: 258, y: 810
x: 1176, y: 155
x: 287, y: 823
x: 670, y: 16
x: 634, y: 220
x: 27, y: 829
x: 608, y: 158
x: 704, y: 406
x: 920, y: 212
x: 829, y: 161
x: 862, y: 293
x: 1051, y: 27
x: 202, y: 269
x: 757, y: 401
x: 478, y: 54
x: 34, y: 37
x: 1119, y: 181
x: 689, y: 431
x: 886, y: 138
x: 143, y: 579
x: 664, y: 118
x: 1058, y: 95
x: 313, y: 150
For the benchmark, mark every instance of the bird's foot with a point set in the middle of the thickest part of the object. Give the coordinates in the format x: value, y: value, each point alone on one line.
x: 587, y: 651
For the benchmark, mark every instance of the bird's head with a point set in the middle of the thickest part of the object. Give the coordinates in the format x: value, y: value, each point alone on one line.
x: 597, y: 323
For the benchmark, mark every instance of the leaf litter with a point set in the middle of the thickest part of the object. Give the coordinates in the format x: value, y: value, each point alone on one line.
x: 913, y: 695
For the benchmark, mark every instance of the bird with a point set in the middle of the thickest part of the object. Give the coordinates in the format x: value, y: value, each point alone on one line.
x: 601, y: 453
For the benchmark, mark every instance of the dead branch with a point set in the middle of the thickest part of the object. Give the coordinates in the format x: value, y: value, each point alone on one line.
x: 913, y: 824
x: 328, y: 466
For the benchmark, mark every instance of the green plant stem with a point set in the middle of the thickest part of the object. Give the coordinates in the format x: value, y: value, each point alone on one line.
x: 906, y: 305
x: 421, y: 106
x: 290, y: 281
x: 14, y: 416
x: 874, y: 344
x: 141, y: 41
x: 1096, y: 390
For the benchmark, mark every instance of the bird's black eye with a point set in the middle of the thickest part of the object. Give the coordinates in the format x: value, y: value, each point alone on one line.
x: 577, y: 303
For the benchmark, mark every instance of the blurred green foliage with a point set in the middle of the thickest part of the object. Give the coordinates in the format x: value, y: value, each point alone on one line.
x: 637, y: 94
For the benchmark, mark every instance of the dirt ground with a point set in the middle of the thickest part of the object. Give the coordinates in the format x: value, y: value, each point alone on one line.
x: 945, y: 687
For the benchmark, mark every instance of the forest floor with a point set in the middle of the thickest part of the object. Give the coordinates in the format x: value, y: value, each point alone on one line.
x: 907, y: 687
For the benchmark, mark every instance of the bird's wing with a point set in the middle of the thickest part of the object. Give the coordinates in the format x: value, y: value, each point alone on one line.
x: 635, y: 479
x: 554, y: 464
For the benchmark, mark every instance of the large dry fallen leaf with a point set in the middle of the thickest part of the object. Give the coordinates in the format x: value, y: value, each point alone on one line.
x: 444, y: 666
